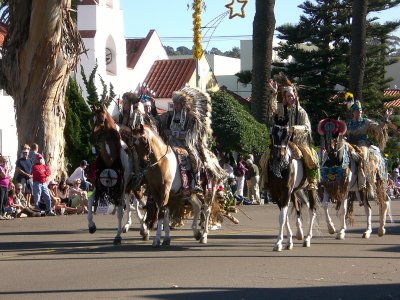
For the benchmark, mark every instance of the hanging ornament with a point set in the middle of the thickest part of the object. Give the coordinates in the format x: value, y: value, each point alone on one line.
x: 230, y: 6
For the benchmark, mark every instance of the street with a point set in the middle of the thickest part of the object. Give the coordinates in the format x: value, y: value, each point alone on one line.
x: 56, y: 258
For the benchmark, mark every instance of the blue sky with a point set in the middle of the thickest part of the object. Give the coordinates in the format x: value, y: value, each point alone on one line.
x: 172, y: 19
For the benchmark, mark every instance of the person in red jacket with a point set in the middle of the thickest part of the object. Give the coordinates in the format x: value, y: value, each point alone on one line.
x: 40, y: 172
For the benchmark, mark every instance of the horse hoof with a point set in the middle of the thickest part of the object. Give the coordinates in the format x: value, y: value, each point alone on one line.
x: 331, y: 230
x: 299, y: 236
x: 289, y: 246
x: 92, y: 229
x: 203, y: 240
x: 166, y: 242
x: 381, y: 232
x: 117, y: 241
x: 145, y: 237
x: 306, y: 243
x: 156, y: 244
x: 277, y: 248
x: 126, y: 228
x: 197, y: 236
x: 366, y: 235
x: 340, y: 236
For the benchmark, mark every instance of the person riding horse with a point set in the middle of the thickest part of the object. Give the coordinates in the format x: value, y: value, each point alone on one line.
x: 175, y: 126
x: 359, y: 130
x: 300, y: 130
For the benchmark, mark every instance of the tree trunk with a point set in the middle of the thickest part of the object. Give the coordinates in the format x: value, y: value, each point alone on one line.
x: 358, y: 46
x: 263, y: 34
x: 41, y: 47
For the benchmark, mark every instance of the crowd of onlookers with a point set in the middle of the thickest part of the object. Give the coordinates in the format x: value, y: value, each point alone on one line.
x: 32, y: 193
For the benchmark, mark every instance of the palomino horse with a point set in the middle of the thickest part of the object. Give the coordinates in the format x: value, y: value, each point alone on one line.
x: 160, y: 170
x: 339, y: 172
x: 112, y: 169
x: 286, y: 175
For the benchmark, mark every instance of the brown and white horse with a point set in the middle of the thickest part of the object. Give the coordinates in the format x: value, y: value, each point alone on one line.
x: 286, y: 176
x: 339, y: 172
x: 113, y: 167
x: 160, y: 169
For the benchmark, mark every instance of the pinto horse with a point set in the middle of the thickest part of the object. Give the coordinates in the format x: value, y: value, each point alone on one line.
x: 160, y: 169
x: 287, y: 176
x: 112, y: 169
x: 339, y: 172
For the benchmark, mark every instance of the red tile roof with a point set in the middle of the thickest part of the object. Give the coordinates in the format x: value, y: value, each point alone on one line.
x: 135, y: 48
x: 392, y: 93
x: 166, y: 76
x: 3, y: 32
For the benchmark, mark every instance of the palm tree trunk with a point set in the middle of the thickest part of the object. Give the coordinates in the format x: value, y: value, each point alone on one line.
x: 358, y: 46
x: 263, y: 34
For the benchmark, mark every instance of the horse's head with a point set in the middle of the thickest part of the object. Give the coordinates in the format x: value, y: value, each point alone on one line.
x: 101, y: 119
x: 332, y: 131
x: 280, y: 135
x: 138, y: 138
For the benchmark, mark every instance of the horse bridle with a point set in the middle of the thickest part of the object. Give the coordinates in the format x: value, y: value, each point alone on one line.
x: 287, y: 139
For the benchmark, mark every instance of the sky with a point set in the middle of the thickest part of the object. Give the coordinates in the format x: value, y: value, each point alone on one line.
x: 173, y: 21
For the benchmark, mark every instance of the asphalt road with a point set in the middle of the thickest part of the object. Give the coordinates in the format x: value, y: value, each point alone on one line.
x: 56, y: 258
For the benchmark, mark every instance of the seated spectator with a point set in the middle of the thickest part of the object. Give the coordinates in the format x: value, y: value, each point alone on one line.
x: 238, y: 199
x: 56, y: 203
x: 77, y: 196
x: 9, y: 207
x: 22, y: 204
x: 79, y: 173
x: 63, y: 191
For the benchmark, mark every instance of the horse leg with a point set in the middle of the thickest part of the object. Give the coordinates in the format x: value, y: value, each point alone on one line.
x: 157, y: 237
x: 299, y: 233
x: 91, y: 224
x: 144, y: 230
x: 196, y: 206
x: 282, y: 222
x: 325, y: 205
x: 206, y: 211
x: 289, y: 244
x: 343, y: 207
x: 117, y: 238
x: 383, y: 208
x: 128, y: 223
x: 167, y: 237
x: 362, y: 198
x: 312, y: 214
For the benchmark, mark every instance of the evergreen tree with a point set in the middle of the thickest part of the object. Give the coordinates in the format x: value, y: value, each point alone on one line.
x: 77, y: 129
x: 319, y: 46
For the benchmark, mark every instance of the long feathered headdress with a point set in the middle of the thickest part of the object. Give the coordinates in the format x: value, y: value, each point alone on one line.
x: 199, y: 105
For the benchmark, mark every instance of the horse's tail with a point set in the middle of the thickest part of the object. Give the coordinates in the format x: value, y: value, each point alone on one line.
x: 350, y: 208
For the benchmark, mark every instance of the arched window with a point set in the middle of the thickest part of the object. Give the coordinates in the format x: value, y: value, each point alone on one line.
x: 110, y: 56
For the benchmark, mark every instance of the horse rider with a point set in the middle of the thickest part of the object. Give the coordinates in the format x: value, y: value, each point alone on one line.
x: 130, y: 102
x: 177, y: 125
x: 300, y: 130
x: 359, y: 130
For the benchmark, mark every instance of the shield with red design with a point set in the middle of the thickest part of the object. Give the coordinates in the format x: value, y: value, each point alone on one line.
x: 108, y: 178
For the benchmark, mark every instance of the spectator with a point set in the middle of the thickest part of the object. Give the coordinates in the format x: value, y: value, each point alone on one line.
x: 240, y: 172
x: 23, y: 172
x: 63, y: 191
x: 79, y: 173
x: 9, y: 207
x: 56, y: 201
x: 4, y: 183
x: 22, y: 204
x: 77, y: 196
x: 40, y: 174
x: 253, y: 175
x: 33, y: 152
x: 227, y: 166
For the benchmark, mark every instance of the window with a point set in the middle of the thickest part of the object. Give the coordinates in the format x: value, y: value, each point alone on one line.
x: 109, y: 56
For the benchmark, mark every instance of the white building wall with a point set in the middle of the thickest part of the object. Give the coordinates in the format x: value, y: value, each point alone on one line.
x: 394, y: 72
x: 8, y: 135
x: 223, y: 65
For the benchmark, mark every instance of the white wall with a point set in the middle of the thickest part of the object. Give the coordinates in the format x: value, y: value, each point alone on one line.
x: 223, y: 65
x: 394, y: 72
x: 8, y: 138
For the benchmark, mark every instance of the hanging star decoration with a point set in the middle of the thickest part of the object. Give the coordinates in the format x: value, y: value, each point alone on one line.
x: 230, y: 6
